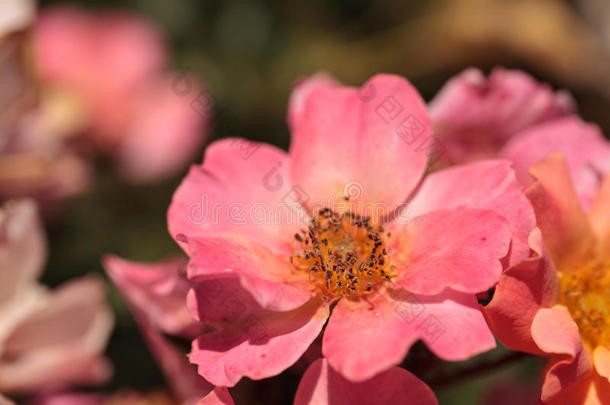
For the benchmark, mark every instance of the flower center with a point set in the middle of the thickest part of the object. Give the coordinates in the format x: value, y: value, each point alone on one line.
x: 586, y: 294
x: 343, y: 254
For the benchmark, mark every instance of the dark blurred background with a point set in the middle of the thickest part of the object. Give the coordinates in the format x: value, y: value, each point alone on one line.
x: 251, y: 52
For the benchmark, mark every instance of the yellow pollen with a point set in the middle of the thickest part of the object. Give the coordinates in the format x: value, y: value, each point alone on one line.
x: 343, y: 254
x: 586, y: 294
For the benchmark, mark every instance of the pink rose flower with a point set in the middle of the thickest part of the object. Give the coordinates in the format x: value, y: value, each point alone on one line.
x: 345, y: 220
x: 47, y: 338
x: 109, y: 70
x: 321, y: 385
x: 557, y: 303
x: 474, y: 116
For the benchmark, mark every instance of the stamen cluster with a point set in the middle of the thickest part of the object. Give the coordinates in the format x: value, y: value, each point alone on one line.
x: 344, y: 254
x: 586, y: 293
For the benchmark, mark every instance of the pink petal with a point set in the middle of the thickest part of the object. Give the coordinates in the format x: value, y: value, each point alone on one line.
x: 486, y: 185
x: 321, y: 385
x: 601, y: 359
x: 22, y: 249
x: 459, y: 249
x: 372, y: 149
x: 522, y: 290
x: 218, y: 396
x: 298, y: 98
x: 62, y: 342
x: 451, y: 324
x: 599, y: 393
x: 16, y: 15
x: 156, y: 294
x: 164, y: 135
x: 68, y: 398
x: 554, y: 331
x: 242, y: 187
x: 582, y: 144
x: 221, y: 303
x: 474, y: 115
x: 363, y: 339
x: 565, y: 227
x: 582, y: 391
x: 158, y: 289
x: 599, y: 216
x: 268, y: 276
x: 268, y: 344
x: 5, y: 401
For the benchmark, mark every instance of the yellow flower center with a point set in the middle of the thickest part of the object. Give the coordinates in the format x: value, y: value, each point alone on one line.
x: 586, y: 294
x: 343, y: 254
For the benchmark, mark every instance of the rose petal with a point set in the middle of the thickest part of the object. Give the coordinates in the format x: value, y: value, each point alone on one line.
x: 474, y: 115
x: 554, y: 331
x: 156, y: 294
x: 599, y: 216
x: 580, y: 392
x: 522, y: 290
x: 5, y: 401
x: 298, y: 97
x: 242, y: 187
x: 459, y: 249
x: 62, y: 342
x: 321, y: 385
x: 266, y: 344
x: 16, y: 15
x: 363, y: 339
x: 485, y: 185
x: 372, y: 149
x: 221, y: 302
x: 218, y: 396
x: 22, y: 249
x: 600, y: 391
x: 601, y: 359
x: 582, y: 144
x: 68, y: 398
x: 450, y: 324
x: 564, y: 225
x: 269, y: 277
x: 158, y: 289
